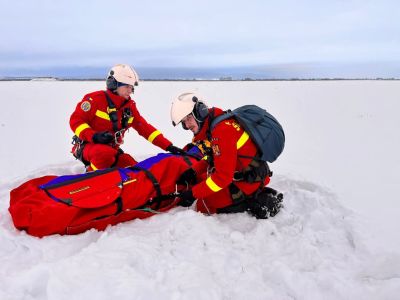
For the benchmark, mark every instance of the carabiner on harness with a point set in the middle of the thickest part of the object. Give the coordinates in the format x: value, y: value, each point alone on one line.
x: 77, y: 149
x: 119, y: 137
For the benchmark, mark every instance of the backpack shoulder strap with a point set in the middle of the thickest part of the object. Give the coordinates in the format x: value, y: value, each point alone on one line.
x: 226, y: 115
x: 213, y: 121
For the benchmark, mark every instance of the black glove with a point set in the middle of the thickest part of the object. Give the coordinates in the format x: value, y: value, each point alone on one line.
x: 103, y: 137
x: 187, y: 177
x: 187, y: 199
x: 175, y: 150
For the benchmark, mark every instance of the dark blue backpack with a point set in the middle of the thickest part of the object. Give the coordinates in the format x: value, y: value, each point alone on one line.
x: 262, y: 127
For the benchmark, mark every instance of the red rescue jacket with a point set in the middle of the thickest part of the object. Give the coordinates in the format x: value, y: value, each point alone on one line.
x: 229, y: 140
x: 91, y: 116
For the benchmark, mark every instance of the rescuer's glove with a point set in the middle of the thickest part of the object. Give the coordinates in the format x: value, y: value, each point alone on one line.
x: 187, y: 198
x: 187, y: 177
x: 103, y: 137
x: 175, y: 150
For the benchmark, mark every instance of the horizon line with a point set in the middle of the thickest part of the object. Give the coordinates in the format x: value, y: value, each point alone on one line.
x: 53, y: 78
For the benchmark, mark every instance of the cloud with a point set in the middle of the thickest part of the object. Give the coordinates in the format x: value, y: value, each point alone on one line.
x: 45, y: 33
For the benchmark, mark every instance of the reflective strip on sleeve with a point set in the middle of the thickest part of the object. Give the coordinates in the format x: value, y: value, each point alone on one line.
x: 242, y: 140
x: 154, y: 135
x: 93, y: 167
x: 103, y: 115
x: 212, y: 185
x: 130, y: 120
x: 80, y: 128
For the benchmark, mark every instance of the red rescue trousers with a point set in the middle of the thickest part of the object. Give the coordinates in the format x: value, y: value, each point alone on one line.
x: 222, y: 199
x: 103, y: 156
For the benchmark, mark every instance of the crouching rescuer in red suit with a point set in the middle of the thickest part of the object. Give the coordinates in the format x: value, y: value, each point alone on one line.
x: 229, y: 178
x: 101, y: 119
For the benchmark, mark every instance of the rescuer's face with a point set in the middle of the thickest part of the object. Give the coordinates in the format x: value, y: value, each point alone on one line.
x: 125, y: 91
x: 190, y: 123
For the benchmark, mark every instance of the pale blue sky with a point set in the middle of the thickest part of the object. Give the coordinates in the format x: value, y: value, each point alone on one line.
x: 206, y: 33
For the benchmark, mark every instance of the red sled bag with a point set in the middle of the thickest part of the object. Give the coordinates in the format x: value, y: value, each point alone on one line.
x: 92, y: 191
x: 73, y: 204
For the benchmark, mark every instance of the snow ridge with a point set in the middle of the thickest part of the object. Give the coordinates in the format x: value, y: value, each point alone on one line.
x: 313, y: 249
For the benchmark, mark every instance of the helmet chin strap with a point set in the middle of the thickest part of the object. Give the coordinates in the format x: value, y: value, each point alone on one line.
x: 199, y: 123
x: 197, y: 120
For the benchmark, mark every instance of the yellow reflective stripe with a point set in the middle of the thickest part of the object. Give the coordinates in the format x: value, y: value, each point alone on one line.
x: 80, y: 128
x: 242, y: 140
x: 103, y: 115
x: 205, y: 157
x: 129, y: 181
x: 130, y: 120
x: 93, y: 167
x: 154, y: 135
x: 212, y: 185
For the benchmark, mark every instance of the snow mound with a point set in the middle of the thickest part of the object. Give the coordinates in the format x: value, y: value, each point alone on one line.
x: 312, y: 249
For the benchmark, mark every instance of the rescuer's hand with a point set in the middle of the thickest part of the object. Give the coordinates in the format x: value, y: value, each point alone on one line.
x: 187, y: 199
x: 103, y: 137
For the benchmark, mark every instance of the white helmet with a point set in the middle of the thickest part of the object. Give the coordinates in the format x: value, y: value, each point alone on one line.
x: 121, y: 73
x: 186, y: 104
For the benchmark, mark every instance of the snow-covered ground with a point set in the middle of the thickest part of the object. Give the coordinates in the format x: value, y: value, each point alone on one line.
x: 336, y: 238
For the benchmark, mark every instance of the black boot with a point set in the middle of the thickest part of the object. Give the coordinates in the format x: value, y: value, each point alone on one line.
x: 266, y: 204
